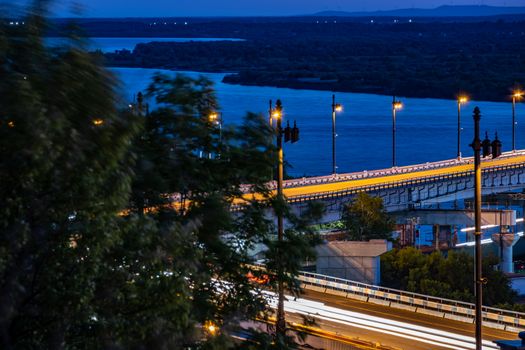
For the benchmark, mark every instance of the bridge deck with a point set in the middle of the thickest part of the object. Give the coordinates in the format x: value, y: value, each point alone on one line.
x: 304, y: 189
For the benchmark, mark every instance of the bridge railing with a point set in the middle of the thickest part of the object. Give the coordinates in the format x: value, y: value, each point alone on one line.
x: 366, y: 174
x: 446, y: 308
x: 393, y: 184
x: 305, y: 181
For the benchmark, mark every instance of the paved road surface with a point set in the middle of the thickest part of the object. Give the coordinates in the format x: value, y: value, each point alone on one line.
x: 411, y: 339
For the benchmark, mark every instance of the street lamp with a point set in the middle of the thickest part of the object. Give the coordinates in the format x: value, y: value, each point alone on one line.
x: 479, y: 280
x: 210, y: 328
x: 290, y: 134
x: 216, y: 118
x: 461, y: 100
x: 336, y: 107
x: 396, y: 105
x: 277, y: 115
x: 517, y: 95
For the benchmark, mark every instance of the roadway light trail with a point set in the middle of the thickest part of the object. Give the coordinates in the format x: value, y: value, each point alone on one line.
x: 487, y: 240
x: 417, y: 333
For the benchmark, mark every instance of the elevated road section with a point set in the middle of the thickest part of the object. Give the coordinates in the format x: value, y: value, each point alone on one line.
x: 409, y: 187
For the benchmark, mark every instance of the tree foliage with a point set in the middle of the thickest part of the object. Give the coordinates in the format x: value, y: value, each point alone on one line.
x: 365, y: 218
x: 450, y: 276
x: 116, y: 228
x: 63, y: 180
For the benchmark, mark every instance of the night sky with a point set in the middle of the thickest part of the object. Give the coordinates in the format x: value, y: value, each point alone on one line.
x: 175, y: 8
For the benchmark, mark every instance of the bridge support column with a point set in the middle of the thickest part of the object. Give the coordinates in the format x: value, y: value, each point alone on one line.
x: 442, y: 236
x: 505, y: 241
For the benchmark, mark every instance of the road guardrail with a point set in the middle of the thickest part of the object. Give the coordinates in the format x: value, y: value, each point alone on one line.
x: 440, y: 307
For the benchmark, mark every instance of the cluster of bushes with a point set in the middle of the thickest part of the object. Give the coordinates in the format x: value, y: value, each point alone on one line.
x: 450, y: 276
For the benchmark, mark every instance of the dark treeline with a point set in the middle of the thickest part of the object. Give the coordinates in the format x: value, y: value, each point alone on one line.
x: 428, y: 59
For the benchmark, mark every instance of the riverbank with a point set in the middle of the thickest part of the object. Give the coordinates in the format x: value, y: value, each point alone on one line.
x: 409, y: 59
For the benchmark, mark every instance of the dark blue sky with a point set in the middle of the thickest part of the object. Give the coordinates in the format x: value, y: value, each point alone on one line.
x: 175, y: 8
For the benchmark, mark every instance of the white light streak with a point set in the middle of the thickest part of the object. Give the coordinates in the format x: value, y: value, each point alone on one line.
x: 470, y: 229
x: 382, y: 325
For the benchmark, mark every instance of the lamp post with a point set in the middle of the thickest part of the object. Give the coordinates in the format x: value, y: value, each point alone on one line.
x: 489, y: 148
x: 396, y: 105
x: 216, y: 118
x: 281, y: 321
x: 461, y: 100
x: 290, y: 134
x: 515, y: 96
x: 476, y: 146
x: 336, y: 107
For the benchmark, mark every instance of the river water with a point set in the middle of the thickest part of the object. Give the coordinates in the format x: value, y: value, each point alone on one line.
x: 426, y: 128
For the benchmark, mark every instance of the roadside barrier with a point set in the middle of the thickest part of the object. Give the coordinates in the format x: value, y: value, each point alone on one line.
x: 440, y: 307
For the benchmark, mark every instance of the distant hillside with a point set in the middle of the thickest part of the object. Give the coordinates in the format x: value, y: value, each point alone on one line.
x: 442, y: 11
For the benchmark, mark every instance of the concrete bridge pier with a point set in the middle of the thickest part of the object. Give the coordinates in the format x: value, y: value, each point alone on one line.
x: 505, y: 241
x: 442, y: 236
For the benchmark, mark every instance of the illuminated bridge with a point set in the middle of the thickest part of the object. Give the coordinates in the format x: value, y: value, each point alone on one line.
x: 412, y: 186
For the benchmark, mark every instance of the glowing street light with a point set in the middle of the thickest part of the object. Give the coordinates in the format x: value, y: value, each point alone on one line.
x: 517, y: 95
x: 213, y: 117
x: 396, y: 105
x: 98, y: 121
x: 461, y: 101
x: 211, y: 328
x: 336, y: 108
x: 216, y: 118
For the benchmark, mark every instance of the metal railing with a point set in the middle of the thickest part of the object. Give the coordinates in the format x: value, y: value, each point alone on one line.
x: 445, y: 308
x: 306, y: 181
x: 398, y: 184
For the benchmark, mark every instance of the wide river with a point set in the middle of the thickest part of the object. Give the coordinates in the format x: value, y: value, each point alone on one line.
x: 426, y: 128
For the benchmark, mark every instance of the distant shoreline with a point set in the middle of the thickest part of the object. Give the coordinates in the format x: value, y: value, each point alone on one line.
x: 229, y: 79
x: 422, y: 60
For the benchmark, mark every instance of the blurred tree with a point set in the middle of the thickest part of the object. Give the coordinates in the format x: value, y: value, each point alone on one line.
x: 116, y: 228
x: 183, y: 151
x: 65, y: 174
x: 365, y: 218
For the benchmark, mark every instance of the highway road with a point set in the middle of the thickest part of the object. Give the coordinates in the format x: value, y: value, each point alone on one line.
x: 392, y: 327
x: 388, y: 326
